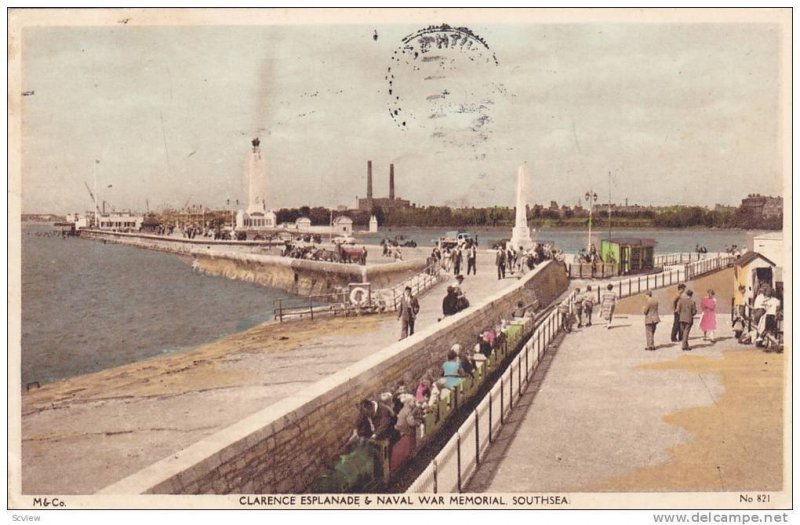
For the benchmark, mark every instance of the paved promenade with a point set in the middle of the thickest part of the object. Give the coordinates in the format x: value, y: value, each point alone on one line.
x: 85, y: 433
x: 604, y: 415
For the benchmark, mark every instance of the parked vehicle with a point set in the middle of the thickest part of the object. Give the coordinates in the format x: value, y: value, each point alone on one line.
x: 343, y: 239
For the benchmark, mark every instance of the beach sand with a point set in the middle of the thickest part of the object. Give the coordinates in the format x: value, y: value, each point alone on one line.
x: 84, y: 433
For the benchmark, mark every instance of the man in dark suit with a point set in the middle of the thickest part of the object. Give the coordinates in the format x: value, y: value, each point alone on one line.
x: 675, y: 336
x: 375, y: 420
x: 407, y: 312
x: 651, y: 320
x: 500, y: 261
x: 687, y: 309
x: 472, y: 257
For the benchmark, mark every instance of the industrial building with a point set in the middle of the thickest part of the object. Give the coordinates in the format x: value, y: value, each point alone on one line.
x: 370, y: 201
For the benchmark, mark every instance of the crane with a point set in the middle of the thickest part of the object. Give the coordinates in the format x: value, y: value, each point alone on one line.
x: 94, y: 199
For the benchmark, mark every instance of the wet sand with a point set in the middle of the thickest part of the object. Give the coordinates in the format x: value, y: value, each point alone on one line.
x: 84, y: 433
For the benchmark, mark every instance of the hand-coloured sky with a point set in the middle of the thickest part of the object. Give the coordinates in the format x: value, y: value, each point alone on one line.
x: 678, y: 113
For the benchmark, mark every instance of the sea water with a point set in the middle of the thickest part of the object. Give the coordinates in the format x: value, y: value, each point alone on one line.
x: 88, y: 306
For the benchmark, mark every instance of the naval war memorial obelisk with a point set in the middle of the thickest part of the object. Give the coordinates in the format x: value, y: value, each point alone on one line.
x: 521, y: 234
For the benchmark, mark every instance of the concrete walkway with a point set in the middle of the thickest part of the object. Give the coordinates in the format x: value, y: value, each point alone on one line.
x: 600, y: 409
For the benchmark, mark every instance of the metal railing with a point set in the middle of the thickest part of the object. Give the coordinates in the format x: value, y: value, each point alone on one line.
x: 421, y: 282
x: 460, y: 457
x: 592, y: 271
x: 337, y: 303
x: 640, y: 283
x: 299, y: 307
x: 669, y: 259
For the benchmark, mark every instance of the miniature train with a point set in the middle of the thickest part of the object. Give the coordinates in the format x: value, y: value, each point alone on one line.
x: 366, y: 468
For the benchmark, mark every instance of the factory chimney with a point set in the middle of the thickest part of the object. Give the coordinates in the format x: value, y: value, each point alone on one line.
x: 369, y: 179
x: 391, y: 181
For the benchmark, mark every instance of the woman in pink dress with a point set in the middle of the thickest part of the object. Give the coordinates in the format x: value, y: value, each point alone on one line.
x: 708, y: 324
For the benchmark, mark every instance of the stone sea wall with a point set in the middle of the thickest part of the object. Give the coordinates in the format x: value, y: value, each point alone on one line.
x: 245, y: 261
x: 284, y: 447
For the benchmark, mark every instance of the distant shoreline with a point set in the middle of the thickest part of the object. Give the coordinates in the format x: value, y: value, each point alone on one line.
x: 598, y: 228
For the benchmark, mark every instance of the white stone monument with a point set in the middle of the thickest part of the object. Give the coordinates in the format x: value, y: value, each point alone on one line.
x: 521, y: 234
x: 373, y: 224
x: 257, y: 180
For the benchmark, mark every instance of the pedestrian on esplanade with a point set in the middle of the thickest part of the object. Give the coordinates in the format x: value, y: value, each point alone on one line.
x: 708, y: 323
x: 472, y: 257
x: 651, y: 320
x: 687, y: 309
x: 675, y: 335
x: 407, y: 313
x: 607, y: 304
x: 500, y: 261
x: 588, y: 305
x: 578, y: 298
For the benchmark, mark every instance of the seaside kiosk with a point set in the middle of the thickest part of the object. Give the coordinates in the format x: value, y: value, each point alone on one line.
x: 752, y: 271
x: 632, y: 255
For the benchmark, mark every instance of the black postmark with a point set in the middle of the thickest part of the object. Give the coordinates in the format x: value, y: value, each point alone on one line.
x: 443, y: 79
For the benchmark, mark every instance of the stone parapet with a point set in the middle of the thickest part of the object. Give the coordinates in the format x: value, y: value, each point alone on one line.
x: 284, y: 447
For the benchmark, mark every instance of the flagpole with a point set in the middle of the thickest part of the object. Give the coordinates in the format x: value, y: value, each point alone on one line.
x: 96, y: 209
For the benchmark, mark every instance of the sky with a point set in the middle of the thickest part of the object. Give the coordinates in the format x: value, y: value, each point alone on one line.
x: 163, y: 116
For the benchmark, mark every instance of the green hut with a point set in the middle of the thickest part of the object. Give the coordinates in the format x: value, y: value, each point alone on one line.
x: 632, y: 255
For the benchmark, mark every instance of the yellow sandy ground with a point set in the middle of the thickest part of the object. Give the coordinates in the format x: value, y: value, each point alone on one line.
x: 736, y: 443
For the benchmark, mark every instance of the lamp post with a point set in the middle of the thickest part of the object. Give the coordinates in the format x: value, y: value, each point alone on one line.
x: 591, y: 198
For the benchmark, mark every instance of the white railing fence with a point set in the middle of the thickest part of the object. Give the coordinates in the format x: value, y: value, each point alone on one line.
x: 458, y: 460
x: 682, y: 273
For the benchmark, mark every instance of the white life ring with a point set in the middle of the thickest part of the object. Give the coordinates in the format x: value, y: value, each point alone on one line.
x: 359, y: 296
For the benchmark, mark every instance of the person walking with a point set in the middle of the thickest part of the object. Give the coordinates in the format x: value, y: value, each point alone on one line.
x: 607, y: 304
x: 472, y: 258
x: 708, y: 324
x: 511, y: 256
x: 407, y: 313
x: 588, y: 305
x: 675, y: 335
x: 457, y: 258
x: 578, y: 300
x: 500, y: 261
x: 687, y: 309
x: 446, y: 259
x: 651, y: 320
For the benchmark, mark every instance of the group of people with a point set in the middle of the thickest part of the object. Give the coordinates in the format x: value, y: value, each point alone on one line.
x: 758, y: 324
x: 511, y: 260
x: 684, y: 311
x: 398, y: 415
x: 392, y: 251
x: 340, y: 254
x: 454, y: 258
x: 583, y: 307
x: 588, y: 257
x: 455, y: 300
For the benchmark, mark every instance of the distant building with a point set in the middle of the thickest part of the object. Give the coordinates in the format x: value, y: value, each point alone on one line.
x: 758, y: 206
x: 343, y: 225
x: 120, y: 221
x: 391, y: 202
x: 303, y: 224
x: 770, y: 245
x: 80, y: 221
x: 256, y: 221
x: 373, y: 224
